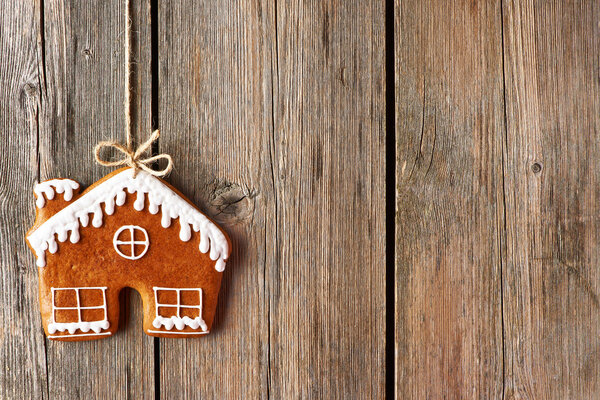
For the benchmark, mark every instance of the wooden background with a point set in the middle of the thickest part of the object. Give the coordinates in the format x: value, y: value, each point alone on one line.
x: 411, y: 187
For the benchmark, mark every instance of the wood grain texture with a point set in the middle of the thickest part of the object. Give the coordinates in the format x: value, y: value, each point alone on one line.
x: 327, y: 287
x: 215, y: 117
x: 552, y: 183
x: 275, y: 115
x: 449, y: 223
x: 22, y: 353
x: 83, y: 91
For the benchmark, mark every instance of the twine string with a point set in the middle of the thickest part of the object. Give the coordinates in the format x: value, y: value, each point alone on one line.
x: 127, y: 98
x: 132, y: 158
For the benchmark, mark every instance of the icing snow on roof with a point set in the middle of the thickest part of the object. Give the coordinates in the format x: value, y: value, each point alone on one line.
x: 48, y: 188
x: 111, y: 192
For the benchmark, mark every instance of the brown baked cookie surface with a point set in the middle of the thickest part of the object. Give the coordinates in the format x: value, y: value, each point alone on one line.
x: 125, y: 231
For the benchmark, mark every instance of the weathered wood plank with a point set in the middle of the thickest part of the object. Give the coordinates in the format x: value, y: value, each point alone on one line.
x: 82, y: 105
x: 449, y: 225
x: 215, y: 119
x: 552, y: 323
x: 22, y: 353
x: 275, y: 117
x: 327, y: 286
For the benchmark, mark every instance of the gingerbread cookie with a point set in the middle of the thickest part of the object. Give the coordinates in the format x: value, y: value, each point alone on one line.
x: 126, y: 230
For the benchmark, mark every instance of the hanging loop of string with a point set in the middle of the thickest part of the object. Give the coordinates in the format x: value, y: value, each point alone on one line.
x: 132, y: 158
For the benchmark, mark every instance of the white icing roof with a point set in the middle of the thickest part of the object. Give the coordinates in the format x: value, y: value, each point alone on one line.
x: 112, y: 191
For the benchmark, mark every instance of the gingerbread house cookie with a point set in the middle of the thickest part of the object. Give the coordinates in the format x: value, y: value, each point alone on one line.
x: 126, y: 230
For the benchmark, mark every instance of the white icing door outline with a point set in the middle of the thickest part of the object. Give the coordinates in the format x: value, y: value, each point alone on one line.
x: 132, y: 242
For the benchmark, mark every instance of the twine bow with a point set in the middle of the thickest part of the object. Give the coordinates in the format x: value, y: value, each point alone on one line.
x: 133, y: 158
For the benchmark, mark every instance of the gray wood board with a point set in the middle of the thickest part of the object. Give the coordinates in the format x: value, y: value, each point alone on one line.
x: 22, y: 352
x: 449, y: 223
x: 275, y: 115
x: 552, y: 183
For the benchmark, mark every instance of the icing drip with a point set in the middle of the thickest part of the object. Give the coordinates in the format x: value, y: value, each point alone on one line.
x: 121, y: 198
x: 52, y: 246
x: 84, y: 219
x: 109, y: 207
x: 165, y: 221
x: 49, y: 188
x: 185, y: 233
x: 153, y: 208
x: 139, y: 202
x: 62, y: 235
x: 179, y: 323
x: 112, y: 192
x: 74, y: 236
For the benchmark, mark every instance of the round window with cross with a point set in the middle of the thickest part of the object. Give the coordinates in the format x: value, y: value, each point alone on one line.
x: 131, y: 242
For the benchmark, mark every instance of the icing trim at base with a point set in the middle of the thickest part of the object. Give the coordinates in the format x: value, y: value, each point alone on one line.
x: 83, y: 334
x: 71, y: 327
x: 179, y: 333
x: 179, y: 323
